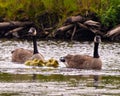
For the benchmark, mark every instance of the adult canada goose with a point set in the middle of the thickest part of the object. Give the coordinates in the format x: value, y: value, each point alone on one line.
x: 84, y: 61
x: 21, y: 55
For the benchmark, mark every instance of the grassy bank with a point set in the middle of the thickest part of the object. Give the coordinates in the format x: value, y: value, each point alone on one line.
x: 107, y: 11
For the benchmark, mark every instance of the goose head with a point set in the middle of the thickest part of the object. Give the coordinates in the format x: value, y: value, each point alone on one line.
x: 97, y: 39
x: 67, y: 57
x: 32, y: 31
x: 62, y: 59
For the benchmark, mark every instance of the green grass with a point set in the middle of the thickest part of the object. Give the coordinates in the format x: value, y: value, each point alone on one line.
x: 107, y: 10
x: 109, y: 13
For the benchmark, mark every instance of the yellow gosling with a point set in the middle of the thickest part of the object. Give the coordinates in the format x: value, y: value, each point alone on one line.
x: 52, y: 63
x: 36, y: 62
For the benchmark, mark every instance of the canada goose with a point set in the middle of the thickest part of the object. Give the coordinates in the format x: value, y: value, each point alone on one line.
x: 84, y: 61
x: 21, y: 55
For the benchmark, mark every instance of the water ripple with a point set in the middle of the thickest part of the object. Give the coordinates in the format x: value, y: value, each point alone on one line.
x: 109, y: 53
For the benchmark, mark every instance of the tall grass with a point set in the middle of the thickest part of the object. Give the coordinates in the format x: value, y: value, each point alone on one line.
x: 109, y: 13
x: 107, y: 10
x: 21, y: 9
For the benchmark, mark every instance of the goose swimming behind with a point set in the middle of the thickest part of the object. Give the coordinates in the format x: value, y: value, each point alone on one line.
x: 21, y: 55
x: 84, y: 61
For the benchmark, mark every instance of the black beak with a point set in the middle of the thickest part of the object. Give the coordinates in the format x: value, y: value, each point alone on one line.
x: 30, y: 32
x: 62, y: 59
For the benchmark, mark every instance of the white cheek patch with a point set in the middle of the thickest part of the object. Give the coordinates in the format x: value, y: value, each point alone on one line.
x: 35, y: 32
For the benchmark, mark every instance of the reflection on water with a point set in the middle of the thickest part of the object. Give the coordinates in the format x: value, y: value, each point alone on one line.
x: 60, y: 85
x: 21, y: 80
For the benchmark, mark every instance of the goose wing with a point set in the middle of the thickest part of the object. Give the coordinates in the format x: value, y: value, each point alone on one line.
x: 21, y: 55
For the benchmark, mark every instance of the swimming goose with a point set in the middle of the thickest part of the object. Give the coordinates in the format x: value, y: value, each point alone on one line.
x: 84, y: 61
x: 21, y: 55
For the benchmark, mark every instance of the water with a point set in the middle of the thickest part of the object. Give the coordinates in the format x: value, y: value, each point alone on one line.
x: 21, y: 80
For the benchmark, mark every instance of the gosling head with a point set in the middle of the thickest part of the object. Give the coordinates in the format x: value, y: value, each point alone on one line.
x: 32, y: 31
x: 97, y: 39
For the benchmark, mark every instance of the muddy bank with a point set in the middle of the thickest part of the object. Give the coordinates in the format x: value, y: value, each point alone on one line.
x: 74, y: 28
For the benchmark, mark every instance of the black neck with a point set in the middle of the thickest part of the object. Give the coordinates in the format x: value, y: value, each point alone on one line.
x: 96, y: 55
x: 35, y: 45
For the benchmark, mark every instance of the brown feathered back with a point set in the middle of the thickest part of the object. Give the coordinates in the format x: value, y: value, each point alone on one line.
x: 82, y: 62
x: 21, y: 55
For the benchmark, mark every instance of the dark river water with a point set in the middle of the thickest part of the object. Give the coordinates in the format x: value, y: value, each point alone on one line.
x: 21, y: 80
